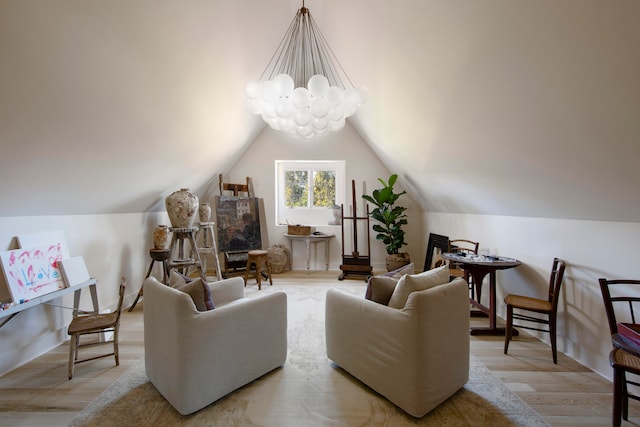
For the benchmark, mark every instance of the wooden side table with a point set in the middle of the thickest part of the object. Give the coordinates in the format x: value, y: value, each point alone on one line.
x: 259, y: 259
x: 478, y: 268
x: 182, y: 261
x: 160, y: 255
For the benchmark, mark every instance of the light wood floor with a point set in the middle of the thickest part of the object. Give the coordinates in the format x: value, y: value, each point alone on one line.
x: 566, y: 394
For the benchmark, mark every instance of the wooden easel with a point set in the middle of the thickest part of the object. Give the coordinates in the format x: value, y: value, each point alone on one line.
x: 236, y: 189
x: 355, y: 263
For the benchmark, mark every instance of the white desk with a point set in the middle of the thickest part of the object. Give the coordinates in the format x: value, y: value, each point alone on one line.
x: 10, y: 313
x: 308, y: 239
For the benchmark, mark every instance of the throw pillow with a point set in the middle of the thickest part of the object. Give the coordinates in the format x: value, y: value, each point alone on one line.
x: 417, y: 282
x: 176, y: 280
x: 398, y: 273
x: 385, y: 286
x: 196, y: 289
x: 380, y: 289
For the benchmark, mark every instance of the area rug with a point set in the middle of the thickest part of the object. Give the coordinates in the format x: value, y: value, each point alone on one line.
x: 308, y: 390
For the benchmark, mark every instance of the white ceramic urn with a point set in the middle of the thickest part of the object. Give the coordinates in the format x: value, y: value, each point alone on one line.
x: 204, y: 212
x: 161, y: 237
x: 182, y: 207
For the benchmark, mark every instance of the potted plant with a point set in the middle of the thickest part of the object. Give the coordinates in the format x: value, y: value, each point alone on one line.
x: 391, y: 218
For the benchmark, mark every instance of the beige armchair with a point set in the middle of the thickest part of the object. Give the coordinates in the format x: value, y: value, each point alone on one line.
x: 416, y: 356
x: 194, y: 358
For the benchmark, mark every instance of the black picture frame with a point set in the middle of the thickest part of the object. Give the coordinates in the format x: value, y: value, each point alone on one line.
x: 436, y: 241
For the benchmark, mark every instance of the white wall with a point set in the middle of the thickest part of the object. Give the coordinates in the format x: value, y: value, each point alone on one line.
x: 113, y: 246
x: 362, y: 165
x: 592, y: 249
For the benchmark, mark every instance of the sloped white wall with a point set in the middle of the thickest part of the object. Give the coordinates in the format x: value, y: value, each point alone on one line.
x: 592, y: 249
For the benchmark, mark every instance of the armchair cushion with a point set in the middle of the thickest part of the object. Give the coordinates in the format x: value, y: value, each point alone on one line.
x: 399, y: 272
x: 417, y: 282
x: 380, y: 288
x: 196, y: 289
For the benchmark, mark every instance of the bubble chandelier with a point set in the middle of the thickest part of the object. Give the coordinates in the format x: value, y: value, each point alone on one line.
x: 280, y: 96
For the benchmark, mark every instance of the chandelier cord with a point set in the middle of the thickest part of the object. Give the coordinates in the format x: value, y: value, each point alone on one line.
x: 304, y: 51
x: 302, y: 89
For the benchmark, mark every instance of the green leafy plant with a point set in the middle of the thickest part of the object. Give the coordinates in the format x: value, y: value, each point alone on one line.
x: 390, y: 216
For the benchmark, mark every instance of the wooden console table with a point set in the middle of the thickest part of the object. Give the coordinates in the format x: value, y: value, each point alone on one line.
x: 10, y: 313
x: 308, y: 239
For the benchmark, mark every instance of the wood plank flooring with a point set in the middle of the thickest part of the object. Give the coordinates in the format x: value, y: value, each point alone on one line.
x: 567, y: 394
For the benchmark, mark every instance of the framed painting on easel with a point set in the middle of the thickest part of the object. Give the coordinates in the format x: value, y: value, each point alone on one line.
x: 240, y: 224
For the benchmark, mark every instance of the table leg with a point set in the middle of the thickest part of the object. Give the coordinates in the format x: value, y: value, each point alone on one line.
x: 326, y: 254
x: 308, y: 242
x: 492, y: 300
x: 290, y: 254
x: 478, y: 277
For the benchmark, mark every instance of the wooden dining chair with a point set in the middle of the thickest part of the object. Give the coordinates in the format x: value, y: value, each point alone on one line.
x: 625, y: 294
x: 467, y: 247
x: 91, y: 324
x: 546, y: 309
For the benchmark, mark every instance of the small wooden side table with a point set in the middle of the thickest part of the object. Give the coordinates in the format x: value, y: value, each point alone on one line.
x: 160, y: 255
x: 478, y: 267
x: 259, y: 259
x: 183, y: 262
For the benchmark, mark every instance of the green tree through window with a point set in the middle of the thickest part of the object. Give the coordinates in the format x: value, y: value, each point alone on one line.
x: 300, y: 194
x: 296, y: 191
x: 324, y: 189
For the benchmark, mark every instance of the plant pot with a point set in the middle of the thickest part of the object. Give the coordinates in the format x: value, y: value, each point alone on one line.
x: 395, y: 261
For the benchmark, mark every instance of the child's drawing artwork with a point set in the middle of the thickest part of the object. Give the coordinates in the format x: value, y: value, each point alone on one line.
x: 31, y: 240
x: 32, y: 272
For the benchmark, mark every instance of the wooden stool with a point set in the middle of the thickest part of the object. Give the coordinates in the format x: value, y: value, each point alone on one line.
x: 259, y: 259
x: 183, y: 262
x: 160, y: 255
x: 208, y: 240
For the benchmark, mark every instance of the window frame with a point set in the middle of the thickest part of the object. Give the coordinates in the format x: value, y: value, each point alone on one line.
x: 314, y: 216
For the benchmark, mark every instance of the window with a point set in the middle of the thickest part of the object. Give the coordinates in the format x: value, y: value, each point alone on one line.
x: 307, y: 190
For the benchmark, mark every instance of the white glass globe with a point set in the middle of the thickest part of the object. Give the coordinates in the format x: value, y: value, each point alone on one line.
x: 284, y: 85
x: 318, y: 85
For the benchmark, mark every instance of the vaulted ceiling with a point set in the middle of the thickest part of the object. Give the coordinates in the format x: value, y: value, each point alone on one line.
x: 488, y: 107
